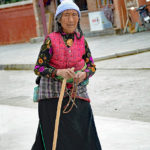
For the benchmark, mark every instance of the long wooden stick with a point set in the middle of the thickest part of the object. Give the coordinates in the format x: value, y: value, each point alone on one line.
x: 58, y: 114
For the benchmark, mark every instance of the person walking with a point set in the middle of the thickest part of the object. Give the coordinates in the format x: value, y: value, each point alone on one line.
x: 65, y: 55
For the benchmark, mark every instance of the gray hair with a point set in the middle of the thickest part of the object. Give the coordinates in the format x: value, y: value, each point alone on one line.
x: 58, y: 24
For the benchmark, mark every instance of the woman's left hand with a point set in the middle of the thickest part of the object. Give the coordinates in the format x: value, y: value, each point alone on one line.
x: 79, y: 77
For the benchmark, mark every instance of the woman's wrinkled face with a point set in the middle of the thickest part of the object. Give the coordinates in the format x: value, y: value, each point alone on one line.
x: 69, y: 20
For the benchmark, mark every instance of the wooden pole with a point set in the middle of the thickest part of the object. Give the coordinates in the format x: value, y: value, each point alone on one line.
x: 58, y: 114
x: 98, y: 4
x: 50, y: 24
x: 43, y: 17
x: 122, y: 15
x: 125, y: 28
x: 55, y: 4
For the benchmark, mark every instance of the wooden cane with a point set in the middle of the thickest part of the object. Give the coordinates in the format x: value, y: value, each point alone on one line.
x: 58, y: 114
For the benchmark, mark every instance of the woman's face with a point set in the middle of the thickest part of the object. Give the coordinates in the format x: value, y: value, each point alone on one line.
x: 69, y: 20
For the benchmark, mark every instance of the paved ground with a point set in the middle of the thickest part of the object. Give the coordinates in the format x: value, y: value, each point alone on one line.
x: 119, y: 89
x: 107, y: 45
x: 100, y: 46
x: 18, y: 129
x: 17, y: 88
x: 135, y: 62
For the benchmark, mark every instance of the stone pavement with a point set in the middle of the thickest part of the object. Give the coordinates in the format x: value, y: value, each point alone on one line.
x: 24, y: 56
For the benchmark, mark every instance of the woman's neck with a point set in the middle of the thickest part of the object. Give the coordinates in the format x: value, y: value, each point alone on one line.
x: 65, y: 33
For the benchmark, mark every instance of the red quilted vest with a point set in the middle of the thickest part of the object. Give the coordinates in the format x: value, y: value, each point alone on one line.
x: 64, y: 57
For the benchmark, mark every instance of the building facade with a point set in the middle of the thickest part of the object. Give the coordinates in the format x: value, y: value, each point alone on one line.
x: 117, y: 11
x: 17, y: 22
x: 22, y: 21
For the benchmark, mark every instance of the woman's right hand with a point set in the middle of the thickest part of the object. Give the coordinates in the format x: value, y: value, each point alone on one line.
x: 66, y: 73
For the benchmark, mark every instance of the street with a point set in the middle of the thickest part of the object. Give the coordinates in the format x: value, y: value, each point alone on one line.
x: 27, y: 53
x: 120, y: 88
x: 119, y: 93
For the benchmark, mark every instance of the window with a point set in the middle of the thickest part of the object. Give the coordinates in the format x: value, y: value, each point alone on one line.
x: 106, y: 2
x: 57, y: 2
x: 82, y: 4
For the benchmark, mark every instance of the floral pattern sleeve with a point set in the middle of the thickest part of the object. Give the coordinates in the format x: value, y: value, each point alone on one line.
x: 91, y: 67
x: 42, y: 67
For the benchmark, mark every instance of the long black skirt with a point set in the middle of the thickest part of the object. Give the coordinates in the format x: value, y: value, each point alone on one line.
x: 76, y: 129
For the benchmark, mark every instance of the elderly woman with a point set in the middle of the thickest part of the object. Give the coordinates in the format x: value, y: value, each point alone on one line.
x: 65, y: 54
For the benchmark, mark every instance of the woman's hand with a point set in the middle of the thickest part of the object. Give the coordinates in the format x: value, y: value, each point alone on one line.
x: 66, y: 73
x: 79, y: 77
